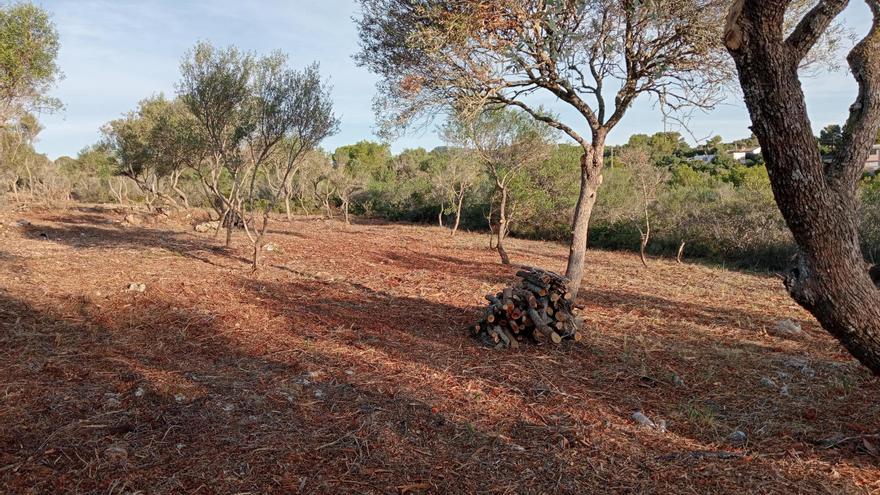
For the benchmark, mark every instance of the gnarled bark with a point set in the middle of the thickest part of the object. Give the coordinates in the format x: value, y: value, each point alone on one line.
x: 819, y: 201
x: 592, y: 162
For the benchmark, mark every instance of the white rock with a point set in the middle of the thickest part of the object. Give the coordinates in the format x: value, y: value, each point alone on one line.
x: 643, y: 420
x: 786, y: 328
x: 738, y: 437
x: 207, y: 226
x: 116, y: 453
x: 137, y: 287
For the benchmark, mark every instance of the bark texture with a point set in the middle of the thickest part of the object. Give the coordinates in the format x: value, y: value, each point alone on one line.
x: 819, y: 201
x: 592, y: 162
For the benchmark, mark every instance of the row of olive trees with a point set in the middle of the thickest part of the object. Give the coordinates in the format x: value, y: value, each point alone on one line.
x: 241, y: 125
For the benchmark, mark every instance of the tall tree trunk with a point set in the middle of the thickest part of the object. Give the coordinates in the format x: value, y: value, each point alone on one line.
x: 820, y: 202
x: 175, y: 180
x: 646, y: 234
x: 440, y: 214
x: 491, y: 223
x: 27, y: 168
x: 502, y: 226
x: 591, y: 178
x: 458, y: 211
x: 259, y: 235
x: 287, y: 207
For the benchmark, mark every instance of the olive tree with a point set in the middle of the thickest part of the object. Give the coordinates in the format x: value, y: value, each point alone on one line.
x: 252, y: 110
x: 152, y: 147
x: 451, y: 177
x: 646, y: 179
x: 215, y: 86
x: 507, y: 143
x: 292, y: 113
x: 28, y: 61
x: 819, y: 200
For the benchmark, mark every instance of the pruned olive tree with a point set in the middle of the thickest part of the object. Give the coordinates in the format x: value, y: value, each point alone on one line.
x: 452, y: 177
x: 646, y: 179
x: 215, y: 86
x: 250, y: 111
x: 152, y: 146
x: 820, y: 201
x: 594, y: 56
x: 292, y: 113
x: 507, y: 143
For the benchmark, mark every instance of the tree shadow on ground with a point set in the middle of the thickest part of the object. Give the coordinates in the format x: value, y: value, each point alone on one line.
x: 490, y: 272
x: 85, y: 236
x: 105, y: 410
x: 100, y: 410
x: 653, y: 306
x: 433, y: 335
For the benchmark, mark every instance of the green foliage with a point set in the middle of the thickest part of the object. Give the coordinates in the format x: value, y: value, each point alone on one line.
x: 830, y: 138
x: 365, y: 159
x: 871, y: 218
x: 28, y: 52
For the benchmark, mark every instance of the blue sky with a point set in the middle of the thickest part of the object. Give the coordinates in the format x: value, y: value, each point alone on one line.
x: 117, y: 52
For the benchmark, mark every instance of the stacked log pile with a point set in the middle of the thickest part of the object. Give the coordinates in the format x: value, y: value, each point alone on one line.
x: 537, y: 308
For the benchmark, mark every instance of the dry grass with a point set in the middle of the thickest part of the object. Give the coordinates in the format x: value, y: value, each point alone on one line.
x: 343, y: 367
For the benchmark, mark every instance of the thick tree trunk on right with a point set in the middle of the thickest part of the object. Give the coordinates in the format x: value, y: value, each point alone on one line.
x: 819, y: 201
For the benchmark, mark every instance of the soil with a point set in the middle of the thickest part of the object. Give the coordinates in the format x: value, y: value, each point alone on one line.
x: 344, y: 366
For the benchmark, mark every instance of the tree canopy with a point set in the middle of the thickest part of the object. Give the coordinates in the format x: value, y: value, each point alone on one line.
x: 28, y: 61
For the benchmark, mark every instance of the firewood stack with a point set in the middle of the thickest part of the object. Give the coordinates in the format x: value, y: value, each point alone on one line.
x: 537, y: 308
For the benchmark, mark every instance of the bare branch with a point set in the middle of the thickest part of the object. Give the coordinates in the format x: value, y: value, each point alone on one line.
x: 813, y: 26
x: 860, y: 131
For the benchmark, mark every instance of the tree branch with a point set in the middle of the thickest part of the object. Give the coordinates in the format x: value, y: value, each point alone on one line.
x: 545, y: 119
x: 813, y: 26
x: 860, y: 131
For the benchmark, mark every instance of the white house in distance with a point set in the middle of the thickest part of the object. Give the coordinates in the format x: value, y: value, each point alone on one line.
x: 873, y: 163
x: 741, y: 155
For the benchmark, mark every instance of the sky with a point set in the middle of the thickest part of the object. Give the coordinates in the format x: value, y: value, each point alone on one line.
x: 115, y: 53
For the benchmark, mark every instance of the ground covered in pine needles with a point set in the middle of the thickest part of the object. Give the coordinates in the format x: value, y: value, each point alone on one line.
x: 344, y: 366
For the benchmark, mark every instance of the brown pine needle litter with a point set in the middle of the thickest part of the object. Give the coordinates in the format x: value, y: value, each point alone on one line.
x: 345, y: 366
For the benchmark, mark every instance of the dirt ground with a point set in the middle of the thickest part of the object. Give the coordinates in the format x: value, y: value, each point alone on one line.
x: 344, y: 366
